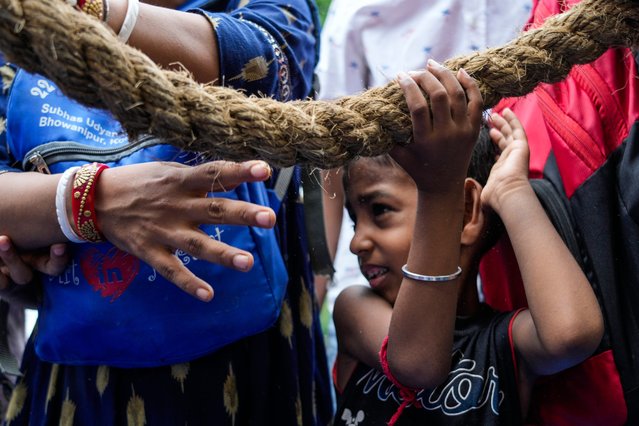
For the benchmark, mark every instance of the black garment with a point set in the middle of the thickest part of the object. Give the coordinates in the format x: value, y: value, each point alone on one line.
x: 481, y: 388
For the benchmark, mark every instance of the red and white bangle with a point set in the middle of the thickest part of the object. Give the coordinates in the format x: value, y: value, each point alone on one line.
x: 83, y: 202
x: 61, y: 206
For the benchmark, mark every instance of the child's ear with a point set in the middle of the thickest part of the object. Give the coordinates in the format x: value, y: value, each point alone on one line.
x: 474, y: 218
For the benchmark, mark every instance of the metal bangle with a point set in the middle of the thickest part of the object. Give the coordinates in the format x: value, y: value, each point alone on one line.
x: 431, y: 278
x: 105, y: 10
x: 130, y: 19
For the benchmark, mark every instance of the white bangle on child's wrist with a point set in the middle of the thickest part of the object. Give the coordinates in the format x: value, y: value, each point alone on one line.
x: 430, y: 278
x: 61, y: 206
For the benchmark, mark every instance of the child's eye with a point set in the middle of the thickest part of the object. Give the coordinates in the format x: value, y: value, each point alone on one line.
x: 380, y: 209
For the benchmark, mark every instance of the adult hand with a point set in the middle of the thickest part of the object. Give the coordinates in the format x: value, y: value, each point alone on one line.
x: 444, y: 132
x: 19, y: 267
x: 150, y: 210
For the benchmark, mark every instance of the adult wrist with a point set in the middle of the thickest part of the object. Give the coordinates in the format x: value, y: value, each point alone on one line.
x: 123, y: 16
x: 83, y: 202
x: 63, y: 204
x: 129, y: 21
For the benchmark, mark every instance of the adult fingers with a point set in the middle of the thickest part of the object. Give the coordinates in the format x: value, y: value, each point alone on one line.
x: 417, y: 106
x: 199, y: 245
x: 224, y: 175
x: 17, y: 269
x: 171, y: 268
x: 475, y: 100
x: 219, y: 210
x: 454, y: 91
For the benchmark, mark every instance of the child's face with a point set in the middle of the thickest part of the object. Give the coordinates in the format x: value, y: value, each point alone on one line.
x: 381, y: 200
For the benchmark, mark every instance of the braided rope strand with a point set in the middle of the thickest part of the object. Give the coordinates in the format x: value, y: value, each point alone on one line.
x: 86, y: 61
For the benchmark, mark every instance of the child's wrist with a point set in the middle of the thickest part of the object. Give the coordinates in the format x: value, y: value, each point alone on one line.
x: 513, y: 197
x: 440, y: 188
x: 441, y: 196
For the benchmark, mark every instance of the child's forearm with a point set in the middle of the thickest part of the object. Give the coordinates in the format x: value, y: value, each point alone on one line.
x: 563, y: 307
x: 421, y: 330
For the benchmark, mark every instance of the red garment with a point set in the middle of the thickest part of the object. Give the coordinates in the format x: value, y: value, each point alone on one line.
x: 583, y: 122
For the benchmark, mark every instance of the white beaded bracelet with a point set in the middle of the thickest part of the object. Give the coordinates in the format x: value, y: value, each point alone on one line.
x: 431, y: 278
x: 130, y: 19
x: 61, y: 206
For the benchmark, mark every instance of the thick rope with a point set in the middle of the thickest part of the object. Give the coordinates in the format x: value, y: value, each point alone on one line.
x: 86, y: 61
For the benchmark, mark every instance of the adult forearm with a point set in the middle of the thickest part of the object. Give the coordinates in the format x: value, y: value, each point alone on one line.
x: 172, y: 38
x: 27, y: 212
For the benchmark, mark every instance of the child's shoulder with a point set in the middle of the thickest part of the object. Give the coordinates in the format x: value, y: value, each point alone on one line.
x: 351, y: 296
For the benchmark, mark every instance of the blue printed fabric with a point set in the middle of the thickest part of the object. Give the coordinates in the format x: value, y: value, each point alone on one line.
x: 267, y: 47
x: 7, y: 74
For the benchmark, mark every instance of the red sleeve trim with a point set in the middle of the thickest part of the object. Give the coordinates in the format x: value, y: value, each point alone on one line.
x: 334, y: 374
x: 513, y: 354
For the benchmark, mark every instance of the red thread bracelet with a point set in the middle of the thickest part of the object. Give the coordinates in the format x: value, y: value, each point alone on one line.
x: 83, y: 202
x: 408, y: 395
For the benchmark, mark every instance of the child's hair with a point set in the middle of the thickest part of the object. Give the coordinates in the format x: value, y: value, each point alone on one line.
x: 482, y: 160
x: 483, y: 157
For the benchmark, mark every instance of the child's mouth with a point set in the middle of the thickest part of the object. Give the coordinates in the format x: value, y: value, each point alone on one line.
x: 373, y: 274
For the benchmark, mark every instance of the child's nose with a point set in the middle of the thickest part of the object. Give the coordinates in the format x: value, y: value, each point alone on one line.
x: 361, y: 241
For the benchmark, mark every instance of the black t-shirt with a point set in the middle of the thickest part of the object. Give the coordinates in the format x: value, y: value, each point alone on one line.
x: 481, y: 388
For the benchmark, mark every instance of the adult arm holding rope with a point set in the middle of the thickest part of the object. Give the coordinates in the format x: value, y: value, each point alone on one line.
x: 264, y: 46
x: 189, y: 41
x: 194, y: 41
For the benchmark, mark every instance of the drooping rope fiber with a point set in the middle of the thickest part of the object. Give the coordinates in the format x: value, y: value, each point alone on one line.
x: 89, y: 65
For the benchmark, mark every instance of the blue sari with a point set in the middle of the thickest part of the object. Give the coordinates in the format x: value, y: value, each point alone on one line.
x: 276, y: 377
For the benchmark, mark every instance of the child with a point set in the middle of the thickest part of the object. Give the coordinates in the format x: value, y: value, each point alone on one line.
x: 419, y: 242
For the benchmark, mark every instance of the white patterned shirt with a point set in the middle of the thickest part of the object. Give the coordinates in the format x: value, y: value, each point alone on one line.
x: 365, y: 43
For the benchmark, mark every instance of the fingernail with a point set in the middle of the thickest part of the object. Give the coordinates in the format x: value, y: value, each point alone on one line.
x: 264, y: 219
x: 4, y: 245
x: 433, y: 63
x: 241, y: 262
x: 463, y: 72
x: 59, y: 250
x: 260, y: 170
x: 402, y: 76
x: 203, y: 294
